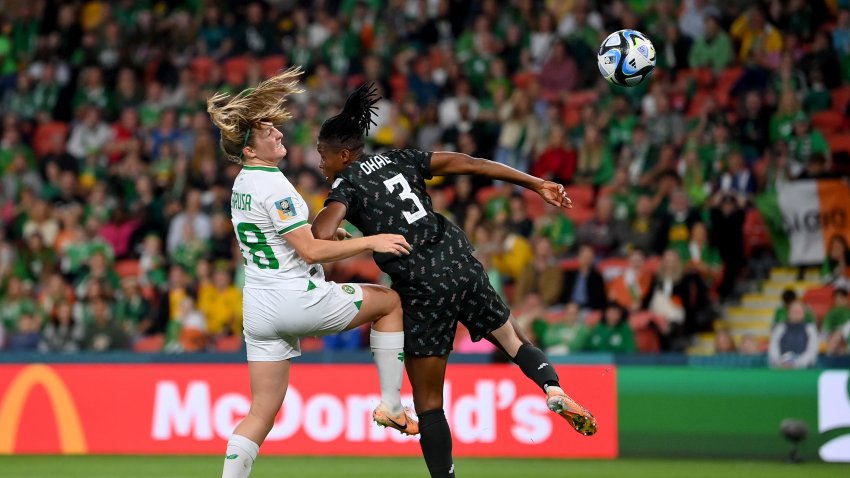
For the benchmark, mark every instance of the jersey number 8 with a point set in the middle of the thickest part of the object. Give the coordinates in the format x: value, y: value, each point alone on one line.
x: 261, y: 252
x: 406, y: 193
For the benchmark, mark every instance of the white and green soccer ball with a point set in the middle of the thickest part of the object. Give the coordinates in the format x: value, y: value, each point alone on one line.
x: 626, y: 58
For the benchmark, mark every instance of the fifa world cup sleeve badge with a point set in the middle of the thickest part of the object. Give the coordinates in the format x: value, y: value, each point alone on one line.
x: 285, y: 208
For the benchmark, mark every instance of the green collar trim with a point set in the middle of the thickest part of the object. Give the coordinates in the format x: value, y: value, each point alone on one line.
x: 261, y: 168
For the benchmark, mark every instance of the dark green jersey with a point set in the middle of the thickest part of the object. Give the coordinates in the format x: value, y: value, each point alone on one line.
x: 385, y: 194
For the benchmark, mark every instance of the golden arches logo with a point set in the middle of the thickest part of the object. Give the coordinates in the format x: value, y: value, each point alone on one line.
x: 71, y: 436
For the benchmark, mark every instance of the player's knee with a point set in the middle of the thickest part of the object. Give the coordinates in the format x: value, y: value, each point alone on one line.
x: 428, y: 402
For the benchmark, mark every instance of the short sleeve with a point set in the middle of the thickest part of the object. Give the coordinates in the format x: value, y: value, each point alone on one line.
x: 287, y: 211
x: 343, y: 192
x: 420, y: 159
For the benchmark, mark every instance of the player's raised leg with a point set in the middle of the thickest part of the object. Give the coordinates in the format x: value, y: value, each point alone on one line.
x: 536, y: 366
x: 269, y: 381
x: 382, y: 307
x: 427, y: 374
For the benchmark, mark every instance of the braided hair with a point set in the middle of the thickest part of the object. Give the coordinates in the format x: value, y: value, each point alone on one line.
x: 237, y: 115
x: 346, y: 130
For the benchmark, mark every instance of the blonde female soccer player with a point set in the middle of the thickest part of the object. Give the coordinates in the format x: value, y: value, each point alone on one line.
x: 286, y: 295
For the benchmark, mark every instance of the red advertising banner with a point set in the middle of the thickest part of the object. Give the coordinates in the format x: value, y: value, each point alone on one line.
x: 178, y: 409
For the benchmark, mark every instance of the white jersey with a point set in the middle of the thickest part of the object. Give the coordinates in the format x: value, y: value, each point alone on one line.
x: 264, y: 207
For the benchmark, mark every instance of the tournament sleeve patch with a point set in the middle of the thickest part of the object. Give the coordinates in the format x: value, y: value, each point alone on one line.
x: 285, y: 208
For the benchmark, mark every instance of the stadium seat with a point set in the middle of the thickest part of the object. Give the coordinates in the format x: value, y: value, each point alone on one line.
x: 828, y: 121
x: 485, y: 194
x: 819, y: 300
x: 581, y: 195
x: 127, y: 268
x: 228, y: 344
x: 570, y: 264
x: 534, y: 203
x: 571, y: 116
x: 840, y: 97
x: 580, y: 98
x: 149, y: 344
x: 580, y: 214
x: 271, y: 65
x: 838, y: 142
x: 647, y: 341
x: 236, y: 69
x: 201, y: 68
x: 728, y: 77
x: 312, y: 344
x: 44, y: 133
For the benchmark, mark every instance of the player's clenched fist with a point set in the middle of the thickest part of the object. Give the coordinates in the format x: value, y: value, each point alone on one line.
x: 390, y: 243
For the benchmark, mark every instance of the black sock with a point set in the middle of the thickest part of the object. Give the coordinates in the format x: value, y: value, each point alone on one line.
x: 534, y: 364
x: 435, y: 439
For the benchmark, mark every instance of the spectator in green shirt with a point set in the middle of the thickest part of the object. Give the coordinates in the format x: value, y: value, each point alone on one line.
x: 839, y: 314
x: 567, y: 336
x: 612, y: 333
x: 789, y: 296
x: 714, y: 50
x: 806, y: 140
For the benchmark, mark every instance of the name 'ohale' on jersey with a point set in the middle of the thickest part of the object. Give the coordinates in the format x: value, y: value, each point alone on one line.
x: 385, y: 193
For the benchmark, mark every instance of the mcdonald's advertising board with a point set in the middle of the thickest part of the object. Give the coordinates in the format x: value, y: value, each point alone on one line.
x: 185, y: 409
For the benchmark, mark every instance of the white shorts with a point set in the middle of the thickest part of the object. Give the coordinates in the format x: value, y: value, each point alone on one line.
x: 275, y: 319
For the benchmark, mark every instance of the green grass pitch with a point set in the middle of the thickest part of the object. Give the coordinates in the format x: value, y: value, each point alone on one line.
x: 334, y: 467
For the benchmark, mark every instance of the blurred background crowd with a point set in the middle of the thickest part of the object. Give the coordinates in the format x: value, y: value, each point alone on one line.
x: 114, y: 198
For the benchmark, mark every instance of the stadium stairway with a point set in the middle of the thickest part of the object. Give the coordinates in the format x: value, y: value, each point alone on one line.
x: 754, y: 314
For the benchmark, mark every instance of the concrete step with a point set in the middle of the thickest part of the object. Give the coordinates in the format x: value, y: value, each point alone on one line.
x: 790, y: 274
x: 738, y: 314
x: 776, y: 288
x: 761, y: 301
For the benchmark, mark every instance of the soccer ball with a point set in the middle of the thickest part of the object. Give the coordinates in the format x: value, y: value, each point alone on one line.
x: 626, y: 58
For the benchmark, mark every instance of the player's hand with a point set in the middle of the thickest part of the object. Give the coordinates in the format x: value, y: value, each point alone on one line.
x: 390, y: 244
x: 555, y: 194
x: 341, y: 234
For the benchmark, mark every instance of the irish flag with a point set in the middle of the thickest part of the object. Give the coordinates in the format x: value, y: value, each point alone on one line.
x: 804, y: 216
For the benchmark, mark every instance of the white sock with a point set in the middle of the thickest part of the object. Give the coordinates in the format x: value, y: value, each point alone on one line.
x: 240, y: 456
x: 388, y: 350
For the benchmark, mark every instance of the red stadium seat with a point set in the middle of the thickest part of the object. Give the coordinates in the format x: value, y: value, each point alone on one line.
x: 228, y: 344
x: 581, y: 195
x: 571, y: 116
x: 271, y: 65
x: 580, y: 214
x: 44, y: 135
x: 127, y: 268
x: 534, y: 204
x: 201, y: 67
x: 819, y: 300
x: 485, y: 194
x: 840, y: 97
x: 235, y: 70
x: 149, y: 344
x: 729, y: 77
x: 838, y: 142
x: 580, y: 98
x: 828, y: 121
x: 570, y: 264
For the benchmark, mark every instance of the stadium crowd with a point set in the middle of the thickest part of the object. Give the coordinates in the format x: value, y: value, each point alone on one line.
x: 114, y: 199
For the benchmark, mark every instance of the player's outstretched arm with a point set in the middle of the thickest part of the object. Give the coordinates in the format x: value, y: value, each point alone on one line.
x: 448, y: 163
x: 315, y: 250
x: 328, y: 220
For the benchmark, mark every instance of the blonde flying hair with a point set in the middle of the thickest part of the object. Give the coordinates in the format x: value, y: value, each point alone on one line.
x: 237, y: 115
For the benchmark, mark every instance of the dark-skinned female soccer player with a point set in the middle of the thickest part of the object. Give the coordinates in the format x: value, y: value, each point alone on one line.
x: 440, y: 283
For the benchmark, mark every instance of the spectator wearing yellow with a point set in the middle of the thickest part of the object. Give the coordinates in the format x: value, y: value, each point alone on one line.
x: 221, y: 303
x: 756, y: 35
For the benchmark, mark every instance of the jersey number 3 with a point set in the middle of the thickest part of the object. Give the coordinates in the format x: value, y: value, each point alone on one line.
x: 406, y: 193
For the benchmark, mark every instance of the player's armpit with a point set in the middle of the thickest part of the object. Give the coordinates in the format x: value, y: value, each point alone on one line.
x: 328, y: 220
